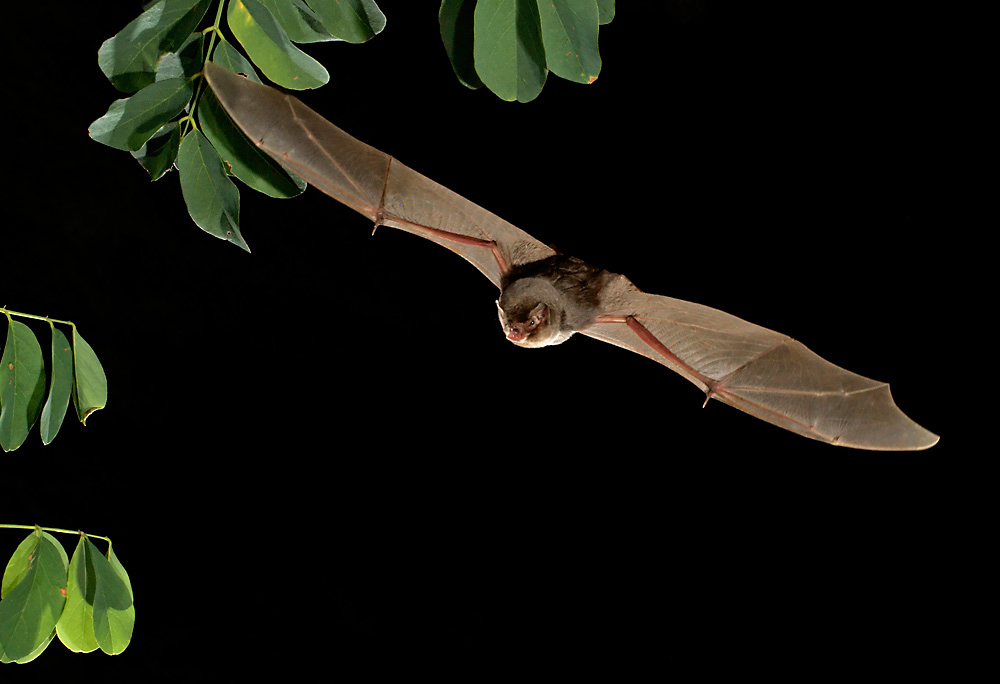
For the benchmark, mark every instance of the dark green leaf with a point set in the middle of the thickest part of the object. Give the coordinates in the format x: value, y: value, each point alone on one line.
x: 269, y: 48
x: 22, y: 384
x: 185, y: 62
x: 242, y: 158
x: 132, y: 121
x: 510, y: 58
x: 569, y: 34
x: 212, y: 200
x: 60, y: 386
x: 300, y: 23
x: 352, y: 20
x: 157, y: 156
x: 114, y: 613
x: 91, y: 389
x: 227, y: 56
x: 76, y: 625
x: 606, y: 8
x: 129, y: 58
x: 455, y: 19
x: 30, y: 610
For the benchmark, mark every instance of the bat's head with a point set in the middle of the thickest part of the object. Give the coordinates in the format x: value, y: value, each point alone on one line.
x: 530, y: 315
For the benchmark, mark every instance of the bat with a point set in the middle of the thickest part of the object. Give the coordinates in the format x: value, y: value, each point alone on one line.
x: 547, y: 297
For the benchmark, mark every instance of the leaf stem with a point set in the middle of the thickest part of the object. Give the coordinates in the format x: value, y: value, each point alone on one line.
x: 12, y: 526
x: 10, y: 313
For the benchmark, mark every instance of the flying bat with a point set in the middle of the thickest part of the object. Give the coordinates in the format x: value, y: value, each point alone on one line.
x: 547, y: 297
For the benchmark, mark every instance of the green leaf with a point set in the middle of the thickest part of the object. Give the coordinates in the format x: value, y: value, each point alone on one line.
x: 91, y: 389
x: 606, y: 8
x: 157, y: 156
x: 114, y: 612
x: 231, y: 58
x: 17, y: 565
x: 352, y: 20
x: 22, y: 384
x: 509, y: 55
x: 300, y: 23
x: 185, y: 62
x: 30, y: 610
x: 76, y: 625
x: 242, y: 158
x: 268, y: 46
x: 455, y: 19
x: 212, y: 200
x: 569, y: 34
x: 60, y: 386
x: 131, y: 121
x: 129, y: 59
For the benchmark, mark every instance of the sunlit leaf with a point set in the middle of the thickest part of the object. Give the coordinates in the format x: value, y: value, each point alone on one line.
x: 455, y: 19
x: 352, y: 20
x: 91, y: 389
x: 129, y: 58
x: 17, y: 564
x: 212, y: 200
x: 22, y: 384
x: 606, y: 10
x: 270, y: 49
x: 509, y: 55
x: 60, y: 386
x: 569, y: 34
x: 185, y: 62
x: 131, y: 121
x: 114, y: 614
x: 76, y: 625
x: 29, y: 612
x: 299, y: 21
x: 242, y: 158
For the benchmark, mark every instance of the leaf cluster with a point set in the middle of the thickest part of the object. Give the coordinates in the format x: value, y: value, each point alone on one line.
x: 170, y: 120
x: 86, y: 601
x: 75, y: 372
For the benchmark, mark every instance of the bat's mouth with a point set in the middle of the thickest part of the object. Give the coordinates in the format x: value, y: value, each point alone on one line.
x: 517, y: 336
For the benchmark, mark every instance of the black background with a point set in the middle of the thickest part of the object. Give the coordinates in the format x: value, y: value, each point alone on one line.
x: 324, y: 452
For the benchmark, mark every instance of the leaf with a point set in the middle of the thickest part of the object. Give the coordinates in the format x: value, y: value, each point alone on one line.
x: 212, y: 200
x: 242, y: 158
x: 569, y: 34
x: 300, y: 23
x: 157, y: 156
x: 509, y: 55
x: 114, y: 613
x: 231, y: 58
x: 185, y: 62
x: 131, y: 121
x: 30, y: 610
x: 455, y: 19
x: 76, y: 625
x: 352, y: 20
x: 268, y: 46
x: 91, y: 389
x: 606, y: 9
x: 17, y: 565
x: 22, y: 384
x: 60, y: 386
x: 129, y: 58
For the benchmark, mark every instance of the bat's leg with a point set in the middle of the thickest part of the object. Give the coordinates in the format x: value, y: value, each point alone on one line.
x: 711, y: 386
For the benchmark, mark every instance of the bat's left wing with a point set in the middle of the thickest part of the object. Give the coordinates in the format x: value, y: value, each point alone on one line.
x: 757, y: 370
x: 369, y: 181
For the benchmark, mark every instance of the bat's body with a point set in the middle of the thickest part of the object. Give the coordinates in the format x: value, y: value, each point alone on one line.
x: 546, y: 297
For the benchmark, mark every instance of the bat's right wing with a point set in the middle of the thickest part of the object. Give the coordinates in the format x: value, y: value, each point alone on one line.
x: 767, y: 374
x: 369, y: 181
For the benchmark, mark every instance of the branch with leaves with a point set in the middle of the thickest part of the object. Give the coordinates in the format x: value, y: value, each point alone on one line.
x: 87, y: 601
x: 75, y: 371
x: 170, y: 120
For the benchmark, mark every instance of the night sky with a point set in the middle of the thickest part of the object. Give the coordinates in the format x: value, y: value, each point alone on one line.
x: 324, y: 452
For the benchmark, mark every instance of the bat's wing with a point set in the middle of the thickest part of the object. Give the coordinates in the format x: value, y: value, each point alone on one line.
x: 766, y: 374
x: 370, y: 182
